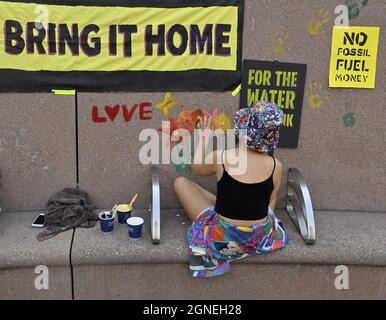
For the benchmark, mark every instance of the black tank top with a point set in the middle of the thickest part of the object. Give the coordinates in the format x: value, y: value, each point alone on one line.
x: 243, y: 201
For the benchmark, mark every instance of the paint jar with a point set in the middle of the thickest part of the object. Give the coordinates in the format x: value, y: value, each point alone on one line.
x: 124, y: 213
x: 107, y: 223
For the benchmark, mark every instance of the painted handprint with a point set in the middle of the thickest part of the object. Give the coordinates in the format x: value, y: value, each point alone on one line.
x: 349, y: 120
x: 316, y: 97
x: 279, y: 40
x: 318, y: 20
x: 211, y: 115
x: 354, y: 7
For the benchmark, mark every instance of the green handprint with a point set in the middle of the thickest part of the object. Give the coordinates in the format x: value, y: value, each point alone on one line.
x: 354, y: 7
x: 349, y: 120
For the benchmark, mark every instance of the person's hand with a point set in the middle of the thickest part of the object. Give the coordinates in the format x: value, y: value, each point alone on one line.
x: 206, y: 126
x: 205, y: 122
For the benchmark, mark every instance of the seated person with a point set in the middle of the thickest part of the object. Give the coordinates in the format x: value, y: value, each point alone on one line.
x: 239, y: 221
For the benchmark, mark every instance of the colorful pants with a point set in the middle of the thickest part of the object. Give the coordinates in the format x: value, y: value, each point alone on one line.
x: 214, y: 243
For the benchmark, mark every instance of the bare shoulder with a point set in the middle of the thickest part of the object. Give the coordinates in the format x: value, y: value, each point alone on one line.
x: 279, y: 165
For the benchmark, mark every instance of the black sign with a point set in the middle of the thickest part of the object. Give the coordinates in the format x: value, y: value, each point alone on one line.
x: 280, y: 83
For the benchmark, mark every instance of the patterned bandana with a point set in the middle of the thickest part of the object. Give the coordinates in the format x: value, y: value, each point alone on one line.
x: 261, y: 124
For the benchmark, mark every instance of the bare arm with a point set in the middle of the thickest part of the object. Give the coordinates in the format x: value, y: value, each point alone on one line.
x: 204, y: 164
x: 276, y: 182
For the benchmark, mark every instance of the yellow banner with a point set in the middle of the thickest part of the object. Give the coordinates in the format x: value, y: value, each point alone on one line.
x: 38, y: 37
x: 354, y: 57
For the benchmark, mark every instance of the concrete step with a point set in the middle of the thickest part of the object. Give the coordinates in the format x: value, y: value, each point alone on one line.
x: 118, y: 268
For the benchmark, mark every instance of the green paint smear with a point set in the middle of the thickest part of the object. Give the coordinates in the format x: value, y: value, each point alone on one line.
x: 349, y: 120
x: 354, y: 8
x: 184, y: 165
x: 184, y: 168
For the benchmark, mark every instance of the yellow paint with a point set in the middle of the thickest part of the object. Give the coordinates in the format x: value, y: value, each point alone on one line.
x: 315, y: 25
x: 279, y: 40
x: 167, y: 105
x: 222, y: 121
x: 103, y: 17
x: 316, y: 97
x: 64, y: 92
x: 124, y: 208
x: 236, y: 91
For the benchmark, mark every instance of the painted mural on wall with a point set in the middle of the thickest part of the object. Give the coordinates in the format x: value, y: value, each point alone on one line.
x: 187, y: 118
x: 132, y: 46
x: 109, y: 113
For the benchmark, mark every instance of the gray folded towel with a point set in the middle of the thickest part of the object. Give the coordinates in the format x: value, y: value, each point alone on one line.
x: 68, y: 209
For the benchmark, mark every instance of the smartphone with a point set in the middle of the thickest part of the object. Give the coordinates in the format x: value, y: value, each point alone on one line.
x: 39, y: 222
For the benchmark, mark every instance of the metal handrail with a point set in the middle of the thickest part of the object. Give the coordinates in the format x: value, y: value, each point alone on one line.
x: 299, y: 206
x: 155, y: 206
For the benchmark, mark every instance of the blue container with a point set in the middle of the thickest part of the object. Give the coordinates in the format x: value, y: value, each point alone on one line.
x: 106, y: 222
x: 124, y: 213
x: 135, y: 227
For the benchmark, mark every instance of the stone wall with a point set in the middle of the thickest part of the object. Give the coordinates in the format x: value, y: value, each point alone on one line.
x: 343, y: 166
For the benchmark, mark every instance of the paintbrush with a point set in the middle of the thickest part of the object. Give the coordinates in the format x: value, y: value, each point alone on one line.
x: 112, y: 212
x: 133, y: 200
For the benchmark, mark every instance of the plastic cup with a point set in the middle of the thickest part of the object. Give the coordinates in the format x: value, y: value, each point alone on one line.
x: 124, y: 213
x: 135, y: 227
x: 107, y: 223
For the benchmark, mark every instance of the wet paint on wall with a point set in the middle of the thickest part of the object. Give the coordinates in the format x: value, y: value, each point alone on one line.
x: 318, y: 22
x: 316, y: 96
x: 355, y: 7
x: 349, y: 120
x: 279, y: 40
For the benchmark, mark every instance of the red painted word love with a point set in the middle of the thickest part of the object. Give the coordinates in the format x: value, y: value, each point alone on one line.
x: 111, y: 112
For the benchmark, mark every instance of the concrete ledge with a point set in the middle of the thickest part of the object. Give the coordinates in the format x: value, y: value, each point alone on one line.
x: 21, y: 253
x: 351, y: 238
x: 103, y: 266
x: 20, y: 248
x: 114, y: 267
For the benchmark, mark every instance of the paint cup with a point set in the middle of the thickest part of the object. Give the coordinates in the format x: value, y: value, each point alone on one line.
x: 107, y: 222
x: 135, y: 227
x: 124, y: 213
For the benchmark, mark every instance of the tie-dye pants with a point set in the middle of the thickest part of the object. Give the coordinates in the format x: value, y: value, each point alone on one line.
x: 214, y: 243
